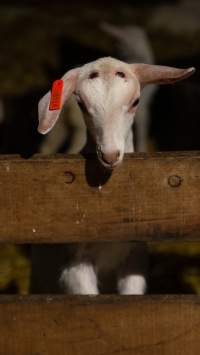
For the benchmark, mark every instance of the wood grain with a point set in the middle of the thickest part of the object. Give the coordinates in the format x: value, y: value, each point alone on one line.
x: 102, y: 325
x: 63, y: 199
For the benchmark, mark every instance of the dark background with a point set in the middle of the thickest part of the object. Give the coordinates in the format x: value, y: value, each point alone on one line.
x: 41, y: 40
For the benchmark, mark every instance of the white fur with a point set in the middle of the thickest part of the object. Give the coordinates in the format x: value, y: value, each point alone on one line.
x: 79, y: 279
x: 116, y: 259
x: 132, y: 285
x: 108, y: 99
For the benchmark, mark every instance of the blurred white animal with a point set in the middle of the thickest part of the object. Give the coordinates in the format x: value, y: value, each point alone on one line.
x: 70, y: 128
x: 133, y: 46
x: 108, y: 93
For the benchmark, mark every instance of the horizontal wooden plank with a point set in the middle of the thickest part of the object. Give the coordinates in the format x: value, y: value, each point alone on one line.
x: 59, y: 199
x: 100, y: 325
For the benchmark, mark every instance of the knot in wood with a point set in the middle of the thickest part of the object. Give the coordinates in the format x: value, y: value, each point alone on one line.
x: 174, y: 181
x: 70, y: 177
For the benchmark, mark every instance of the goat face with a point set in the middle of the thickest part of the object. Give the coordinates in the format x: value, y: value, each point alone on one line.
x: 108, y: 96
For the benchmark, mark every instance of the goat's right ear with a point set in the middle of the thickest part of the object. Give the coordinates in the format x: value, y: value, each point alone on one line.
x: 47, y: 117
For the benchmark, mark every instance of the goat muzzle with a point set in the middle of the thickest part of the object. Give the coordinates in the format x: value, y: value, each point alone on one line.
x: 110, y: 158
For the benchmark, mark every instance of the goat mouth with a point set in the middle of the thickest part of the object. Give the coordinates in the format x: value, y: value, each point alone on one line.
x: 106, y: 165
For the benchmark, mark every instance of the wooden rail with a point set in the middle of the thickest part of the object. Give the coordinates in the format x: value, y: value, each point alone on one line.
x: 63, y: 199
x: 103, y: 325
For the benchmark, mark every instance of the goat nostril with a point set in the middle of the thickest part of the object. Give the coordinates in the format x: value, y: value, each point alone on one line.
x: 110, y: 158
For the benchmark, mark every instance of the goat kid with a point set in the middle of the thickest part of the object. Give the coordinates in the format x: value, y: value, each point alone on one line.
x: 108, y: 93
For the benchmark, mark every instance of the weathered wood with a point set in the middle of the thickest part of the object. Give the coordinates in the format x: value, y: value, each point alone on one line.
x: 100, y: 325
x: 69, y: 199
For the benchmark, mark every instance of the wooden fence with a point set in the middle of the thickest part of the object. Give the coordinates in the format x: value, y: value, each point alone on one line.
x: 63, y: 199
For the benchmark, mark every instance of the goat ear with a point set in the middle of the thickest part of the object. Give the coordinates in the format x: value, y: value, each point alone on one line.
x: 157, y: 74
x: 48, y: 118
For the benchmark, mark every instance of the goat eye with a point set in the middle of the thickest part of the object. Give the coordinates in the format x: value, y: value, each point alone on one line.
x: 136, y: 102
x: 93, y: 75
x: 121, y: 74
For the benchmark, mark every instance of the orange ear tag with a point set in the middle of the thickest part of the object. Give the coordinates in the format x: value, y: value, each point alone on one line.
x: 56, y: 95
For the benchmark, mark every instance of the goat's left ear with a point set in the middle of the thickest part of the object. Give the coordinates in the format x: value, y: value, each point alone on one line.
x: 158, y: 74
x: 47, y: 117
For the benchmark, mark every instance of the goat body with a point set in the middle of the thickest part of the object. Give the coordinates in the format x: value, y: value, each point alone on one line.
x: 108, y: 92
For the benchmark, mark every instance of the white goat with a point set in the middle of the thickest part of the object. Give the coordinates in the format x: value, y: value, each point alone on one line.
x: 108, y: 92
x: 133, y: 45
